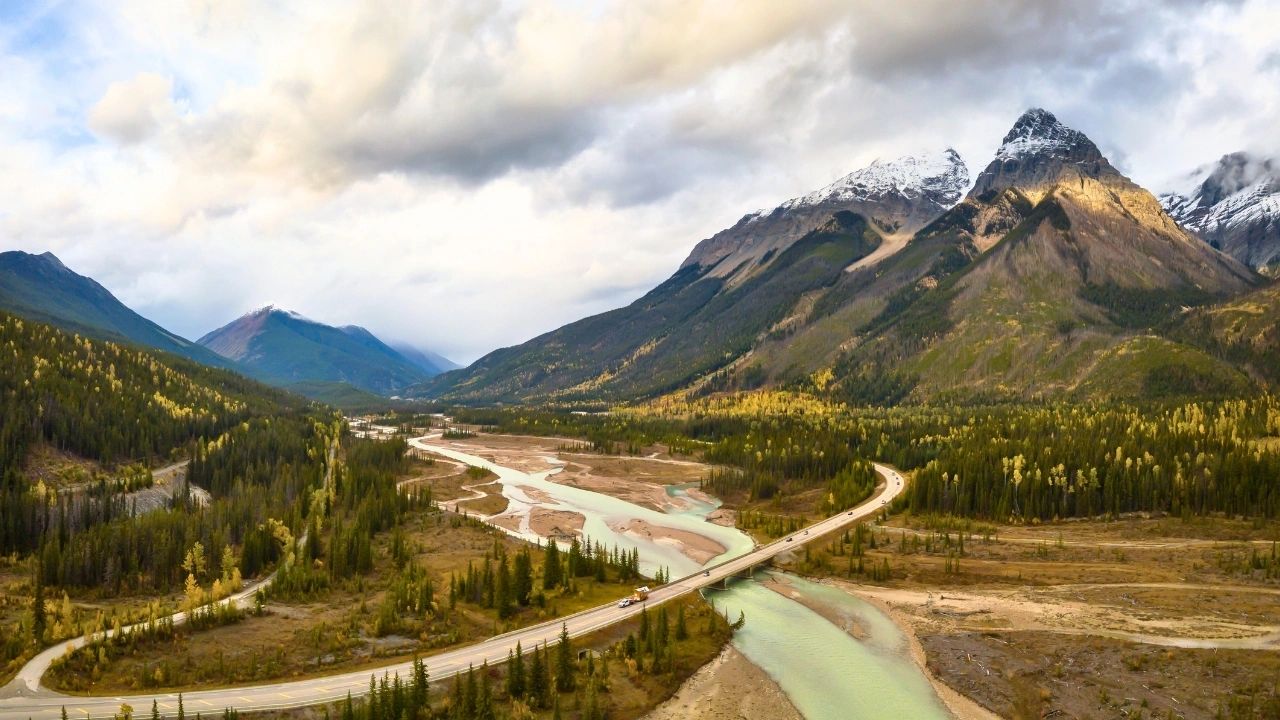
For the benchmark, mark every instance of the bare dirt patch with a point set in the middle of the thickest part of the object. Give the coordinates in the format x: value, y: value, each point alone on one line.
x: 561, y: 525
x: 640, y: 481
x: 1029, y: 674
x: 698, y: 548
x: 729, y: 687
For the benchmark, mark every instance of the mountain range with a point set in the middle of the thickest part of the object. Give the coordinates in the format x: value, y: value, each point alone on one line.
x: 275, y: 346
x: 1054, y: 275
x: 1051, y: 275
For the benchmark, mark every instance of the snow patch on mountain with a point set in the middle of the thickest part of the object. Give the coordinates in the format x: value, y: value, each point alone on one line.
x: 943, y: 176
x: 1236, y: 190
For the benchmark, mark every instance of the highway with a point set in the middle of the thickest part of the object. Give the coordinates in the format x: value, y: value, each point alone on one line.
x: 46, y: 704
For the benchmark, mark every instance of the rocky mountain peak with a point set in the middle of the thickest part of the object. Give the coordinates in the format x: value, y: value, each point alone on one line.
x: 1040, y: 150
x: 1039, y: 132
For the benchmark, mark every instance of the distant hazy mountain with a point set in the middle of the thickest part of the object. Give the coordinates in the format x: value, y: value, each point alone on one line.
x: 1055, y: 275
x: 427, y: 361
x: 41, y: 288
x: 285, y: 348
x: 1234, y: 204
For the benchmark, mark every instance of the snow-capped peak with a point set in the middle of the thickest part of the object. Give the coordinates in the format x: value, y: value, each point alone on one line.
x: 1235, y: 189
x: 1039, y: 132
x: 942, y: 176
x: 1233, y: 203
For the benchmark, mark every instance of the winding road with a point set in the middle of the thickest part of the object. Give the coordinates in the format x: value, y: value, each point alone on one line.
x: 43, y: 703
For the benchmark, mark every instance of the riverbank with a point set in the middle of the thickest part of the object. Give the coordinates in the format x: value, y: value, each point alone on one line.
x: 1079, y: 619
x: 729, y: 687
x: 960, y: 707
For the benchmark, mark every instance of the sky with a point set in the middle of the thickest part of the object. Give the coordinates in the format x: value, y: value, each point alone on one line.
x: 463, y: 176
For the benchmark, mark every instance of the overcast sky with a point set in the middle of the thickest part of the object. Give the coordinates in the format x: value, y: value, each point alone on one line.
x: 466, y: 175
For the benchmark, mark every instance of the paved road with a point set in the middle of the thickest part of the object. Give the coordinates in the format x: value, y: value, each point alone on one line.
x: 494, y: 650
x: 24, y: 689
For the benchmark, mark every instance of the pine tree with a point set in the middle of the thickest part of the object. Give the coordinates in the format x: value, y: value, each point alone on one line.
x: 539, y: 683
x: 469, y: 695
x: 515, y: 673
x: 504, y: 591
x: 38, y: 621
x: 421, y: 684
x: 458, y: 700
x: 565, y: 681
x: 682, y: 632
x: 155, y: 710
x: 484, y: 704
x: 523, y: 576
x: 551, y: 566
x: 182, y: 713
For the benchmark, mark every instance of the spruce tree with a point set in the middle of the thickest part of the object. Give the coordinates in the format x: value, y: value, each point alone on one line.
x: 469, y: 695
x: 484, y: 704
x: 38, y: 621
x: 539, y: 683
x: 565, y: 681
x: 515, y: 674
x: 551, y: 566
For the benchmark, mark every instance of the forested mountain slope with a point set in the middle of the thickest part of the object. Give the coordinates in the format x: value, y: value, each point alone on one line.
x: 104, y: 402
x: 41, y: 288
x: 691, y: 325
x: 1244, y: 331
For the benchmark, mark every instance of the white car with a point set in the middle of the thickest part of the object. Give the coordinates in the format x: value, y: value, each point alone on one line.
x: 626, y: 602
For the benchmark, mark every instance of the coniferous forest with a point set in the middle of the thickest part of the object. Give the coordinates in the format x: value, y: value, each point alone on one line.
x: 998, y: 462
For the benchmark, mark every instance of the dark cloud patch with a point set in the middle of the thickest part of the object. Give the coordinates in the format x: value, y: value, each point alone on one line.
x: 508, y: 140
x: 645, y: 167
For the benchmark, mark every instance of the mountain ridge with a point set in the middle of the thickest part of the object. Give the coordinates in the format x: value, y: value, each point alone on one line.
x: 42, y: 288
x: 899, y: 196
x: 1046, y: 278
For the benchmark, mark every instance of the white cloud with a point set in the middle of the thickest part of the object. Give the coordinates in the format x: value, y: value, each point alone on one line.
x: 467, y: 174
x: 130, y: 111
